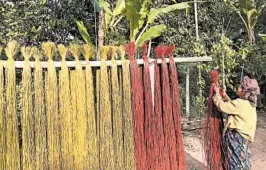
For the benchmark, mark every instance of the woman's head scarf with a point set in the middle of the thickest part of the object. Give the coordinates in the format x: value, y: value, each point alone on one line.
x: 251, y: 89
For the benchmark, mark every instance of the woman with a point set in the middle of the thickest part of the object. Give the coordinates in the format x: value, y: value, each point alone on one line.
x: 241, y: 123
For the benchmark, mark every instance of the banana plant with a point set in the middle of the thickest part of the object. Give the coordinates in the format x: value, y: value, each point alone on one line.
x: 114, y: 17
x: 111, y: 17
x: 140, y: 15
x: 141, y: 19
x: 263, y: 36
x: 249, y: 12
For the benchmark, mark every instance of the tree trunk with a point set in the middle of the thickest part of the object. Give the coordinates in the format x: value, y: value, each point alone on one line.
x: 100, y: 32
x: 251, y: 36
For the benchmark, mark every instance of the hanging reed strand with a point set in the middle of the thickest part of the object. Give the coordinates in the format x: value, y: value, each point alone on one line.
x: 52, y: 109
x: 73, y: 93
x: 65, y: 113
x: 98, y: 79
x: 116, y: 113
x: 92, y: 138
x: 163, y: 158
x: 150, y: 128
x: 2, y: 116
x: 106, y: 140
x: 40, y: 116
x: 12, y: 135
x: 137, y: 108
x: 176, y: 109
x: 129, y: 156
x: 213, y: 130
x: 169, y: 131
x: 80, y: 123
x: 28, y: 148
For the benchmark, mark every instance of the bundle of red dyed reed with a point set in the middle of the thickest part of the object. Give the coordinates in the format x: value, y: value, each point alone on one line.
x: 213, y: 129
x: 157, y: 127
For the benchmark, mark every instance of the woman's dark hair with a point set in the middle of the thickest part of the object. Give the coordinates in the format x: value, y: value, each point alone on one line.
x: 246, y: 73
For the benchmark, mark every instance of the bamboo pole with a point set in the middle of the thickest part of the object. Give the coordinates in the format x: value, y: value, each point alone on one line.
x: 71, y: 64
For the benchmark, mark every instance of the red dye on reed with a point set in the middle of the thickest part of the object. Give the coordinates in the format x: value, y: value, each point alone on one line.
x: 150, y: 128
x: 176, y: 109
x: 169, y: 129
x: 213, y: 131
x: 137, y: 107
x: 163, y: 158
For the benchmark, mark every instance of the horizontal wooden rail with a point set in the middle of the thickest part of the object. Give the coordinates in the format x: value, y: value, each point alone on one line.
x: 19, y: 64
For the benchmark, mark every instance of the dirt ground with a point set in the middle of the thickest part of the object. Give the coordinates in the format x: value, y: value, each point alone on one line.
x: 194, y: 152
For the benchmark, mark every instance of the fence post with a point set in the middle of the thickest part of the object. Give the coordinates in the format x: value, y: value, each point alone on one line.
x: 187, y: 93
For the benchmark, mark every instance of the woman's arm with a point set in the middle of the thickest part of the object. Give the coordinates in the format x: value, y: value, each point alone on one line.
x: 230, y: 107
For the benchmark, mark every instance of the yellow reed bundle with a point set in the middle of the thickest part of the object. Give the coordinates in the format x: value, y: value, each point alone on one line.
x: 66, y: 115
x: 28, y: 148
x: 98, y: 79
x: 52, y: 108
x: 2, y: 116
x: 12, y: 135
x: 73, y: 94
x: 92, y: 138
x: 129, y: 156
x: 80, y: 123
x: 116, y: 113
x: 40, y: 116
x: 106, y: 140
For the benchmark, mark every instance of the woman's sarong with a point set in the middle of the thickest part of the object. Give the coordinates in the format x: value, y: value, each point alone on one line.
x: 237, y: 151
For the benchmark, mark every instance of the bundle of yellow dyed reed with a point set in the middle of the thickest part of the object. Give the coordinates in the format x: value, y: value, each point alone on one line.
x: 116, y: 112
x: 2, y: 116
x: 52, y: 108
x: 92, y: 138
x: 28, y: 148
x: 106, y: 139
x: 12, y: 157
x: 40, y: 116
x: 66, y: 116
x: 80, y: 124
x: 129, y: 147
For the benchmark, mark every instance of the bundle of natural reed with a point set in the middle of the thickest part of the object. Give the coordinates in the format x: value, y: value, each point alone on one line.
x: 79, y: 124
x: 92, y: 138
x: 2, y: 116
x: 66, y: 116
x: 52, y: 108
x: 129, y: 156
x: 40, y: 115
x: 12, y: 136
x: 106, y: 140
x: 116, y: 113
x: 28, y: 148
x: 137, y: 107
x: 176, y: 109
